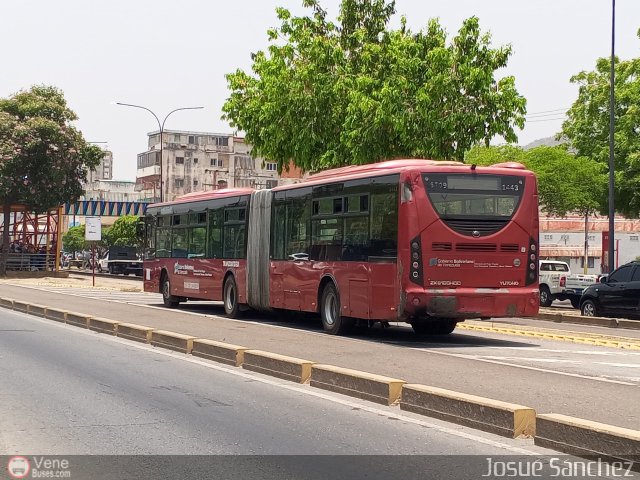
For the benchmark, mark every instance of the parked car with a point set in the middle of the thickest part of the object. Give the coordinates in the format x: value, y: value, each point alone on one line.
x: 615, y: 295
x: 558, y: 283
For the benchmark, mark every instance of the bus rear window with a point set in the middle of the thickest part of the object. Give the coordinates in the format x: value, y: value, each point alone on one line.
x: 474, y: 195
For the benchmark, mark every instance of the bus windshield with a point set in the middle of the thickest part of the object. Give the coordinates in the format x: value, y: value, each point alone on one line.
x: 477, y: 196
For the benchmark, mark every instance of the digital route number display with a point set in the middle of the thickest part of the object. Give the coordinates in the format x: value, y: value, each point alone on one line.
x: 483, y: 183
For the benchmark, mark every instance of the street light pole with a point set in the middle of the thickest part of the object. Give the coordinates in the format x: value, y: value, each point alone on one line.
x: 612, y: 210
x: 161, y: 128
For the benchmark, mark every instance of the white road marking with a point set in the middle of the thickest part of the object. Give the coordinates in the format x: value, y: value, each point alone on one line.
x: 577, y: 352
x: 525, y: 367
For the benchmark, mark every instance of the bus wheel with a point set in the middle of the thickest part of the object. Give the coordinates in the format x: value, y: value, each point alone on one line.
x: 332, y: 322
x: 230, y: 298
x: 444, y: 327
x: 545, y: 296
x: 168, y: 299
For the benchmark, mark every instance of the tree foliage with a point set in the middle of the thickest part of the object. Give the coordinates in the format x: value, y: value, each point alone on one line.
x: 587, y: 126
x: 43, y: 157
x: 354, y: 91
x: 566, y: 183
x: 123, y: 232
x: 73, y: 240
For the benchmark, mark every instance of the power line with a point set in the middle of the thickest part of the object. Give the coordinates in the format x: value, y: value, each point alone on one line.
x: 549, y: 111
x: 546, y: 120
x: 546, y: 115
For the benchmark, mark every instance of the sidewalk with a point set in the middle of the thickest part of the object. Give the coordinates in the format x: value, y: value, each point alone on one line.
x: 79, y: 281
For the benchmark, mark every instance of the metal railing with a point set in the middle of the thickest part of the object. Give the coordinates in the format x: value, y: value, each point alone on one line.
x: 31, y: 262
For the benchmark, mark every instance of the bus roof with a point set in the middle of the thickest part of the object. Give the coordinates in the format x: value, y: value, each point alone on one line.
x: 208, y: 195
x: 391, y: 167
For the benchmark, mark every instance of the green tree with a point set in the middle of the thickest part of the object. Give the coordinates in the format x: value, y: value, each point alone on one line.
x: 73, y: 240
x: 587, y: 126
x: 566, y: 183
x: 354, y: 91
x: 43, y: 157
x: 123, y: 232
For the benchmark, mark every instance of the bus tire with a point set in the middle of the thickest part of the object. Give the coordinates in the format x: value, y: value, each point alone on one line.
x: 230, y: 298
x: 545, y: 296
x: 443, y: 327
x: 332, y: 321
x: 169, y: 300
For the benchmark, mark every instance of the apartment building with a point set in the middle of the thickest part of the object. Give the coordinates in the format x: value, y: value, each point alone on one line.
x: 104, y: 171
x: 200, y: 161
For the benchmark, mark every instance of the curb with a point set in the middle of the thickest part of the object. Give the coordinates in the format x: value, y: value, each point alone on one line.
x: 577, y: 436
x: 280, y: 366
x: 578, y: 319
x: 367, y: 386
x: 78, y: 319
x: 137, y: 333
x: 560, y: 432
x: 103, y: 325
x: 219, y: 352
x: 590, y: 321
x: 57, y: 315
x: 501, y: 418
x: 573, y: 337
x: 172, y: 341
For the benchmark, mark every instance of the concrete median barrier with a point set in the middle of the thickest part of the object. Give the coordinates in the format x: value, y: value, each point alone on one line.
x: 576, y: 436
x: 280, y: 366
x: 131, y: 331
x: 103, y: 325
x: 20, y: 306
x: 78, y: 319
x: 630, y: 324
x: 38, y: 310
x: 501, y: 418
x: 172, y: 341
x: 56, y: 314
x: 6, y: 303
x: 580, y: 320
x: 364, y: 385
x: 219, y: 352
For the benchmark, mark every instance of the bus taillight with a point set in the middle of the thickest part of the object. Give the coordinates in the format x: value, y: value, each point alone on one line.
x: 532, y: 262
x: 415, y: 272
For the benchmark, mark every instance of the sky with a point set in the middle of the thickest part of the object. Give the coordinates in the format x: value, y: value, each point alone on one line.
x: 166, y: 55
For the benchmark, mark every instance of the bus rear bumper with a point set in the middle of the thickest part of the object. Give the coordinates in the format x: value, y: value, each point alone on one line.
x: 462, y: 303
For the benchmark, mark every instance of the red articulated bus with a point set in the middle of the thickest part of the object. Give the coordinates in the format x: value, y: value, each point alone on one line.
x: 431, y: 243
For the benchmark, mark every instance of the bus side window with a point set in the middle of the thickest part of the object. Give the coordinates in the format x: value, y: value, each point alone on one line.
x: 214, y: 249
x: 384, y: 224
x: 297, y: 237
x: 278, y: 230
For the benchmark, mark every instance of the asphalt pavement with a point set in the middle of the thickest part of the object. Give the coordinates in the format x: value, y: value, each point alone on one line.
x: 549, y: 376
x: 68, y: 391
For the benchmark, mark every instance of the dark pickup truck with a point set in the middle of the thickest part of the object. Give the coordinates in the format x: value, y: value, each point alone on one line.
x: 121, y: 260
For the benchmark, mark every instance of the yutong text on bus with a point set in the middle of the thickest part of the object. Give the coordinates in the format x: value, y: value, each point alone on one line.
x: 425, y: 242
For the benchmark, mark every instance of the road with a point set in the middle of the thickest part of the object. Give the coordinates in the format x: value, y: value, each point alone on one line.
x: 68, y: 391
x: 596, y: 383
